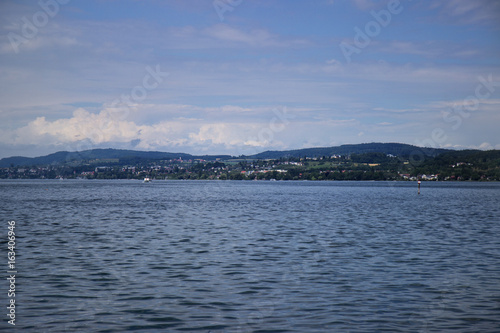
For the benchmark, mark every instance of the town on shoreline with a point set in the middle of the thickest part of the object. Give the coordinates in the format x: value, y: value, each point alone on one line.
x: 478, y: 166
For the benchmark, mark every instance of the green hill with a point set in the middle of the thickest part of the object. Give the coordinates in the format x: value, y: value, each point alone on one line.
x: 134, y: 156
x: 123, y: 156
x: 396, y: 149
x: 463, y: 164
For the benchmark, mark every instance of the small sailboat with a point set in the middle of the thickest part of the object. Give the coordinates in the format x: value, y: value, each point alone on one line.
x: 147, y: 180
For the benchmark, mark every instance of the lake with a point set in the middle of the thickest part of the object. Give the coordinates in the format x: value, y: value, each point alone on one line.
x: 253, y: 256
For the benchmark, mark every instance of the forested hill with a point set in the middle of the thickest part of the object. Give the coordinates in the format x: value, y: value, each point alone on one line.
x: 134, y: 156
x: 406, y: 163
x: 467, y: 164
x: 395, y: 149
x: 122, y: 156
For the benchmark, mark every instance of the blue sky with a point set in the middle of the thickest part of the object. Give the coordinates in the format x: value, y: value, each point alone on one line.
x: 240, y: 76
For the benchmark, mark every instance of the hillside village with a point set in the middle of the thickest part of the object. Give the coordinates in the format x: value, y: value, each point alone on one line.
x: 367, y: 166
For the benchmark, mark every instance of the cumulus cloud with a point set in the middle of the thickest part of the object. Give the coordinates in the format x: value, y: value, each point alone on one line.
x: 252, y: 131
x: 218, y: 134
x: 469, y: 12
x: 486, y: 146
x: 112, y: 126
x: 85, y: 126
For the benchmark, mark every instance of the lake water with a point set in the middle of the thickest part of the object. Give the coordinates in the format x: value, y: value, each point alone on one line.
x: 236, y: 256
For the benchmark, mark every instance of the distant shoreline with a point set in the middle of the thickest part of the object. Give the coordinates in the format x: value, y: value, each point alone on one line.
x: 247, y: 180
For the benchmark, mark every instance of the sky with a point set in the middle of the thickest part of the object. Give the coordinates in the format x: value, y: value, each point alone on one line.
x: 244, y: 76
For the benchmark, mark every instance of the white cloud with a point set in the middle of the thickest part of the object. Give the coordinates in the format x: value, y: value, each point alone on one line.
x: 482, y: 146
x: 21, y: 44
x: 225, y: 76
x: 255, y: 37
x: 227, y: 33
x: 430, y: 49
x: 246, y: 134
x: 469, y: 12
x: 97, y: 128
x: 227, y: 134
x: 110, y: 127
x: 469, y: 103
x: 486, y: 146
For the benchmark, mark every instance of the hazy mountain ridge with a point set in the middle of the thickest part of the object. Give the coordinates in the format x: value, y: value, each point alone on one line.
x: 63, y: 157
x: 122, y: 155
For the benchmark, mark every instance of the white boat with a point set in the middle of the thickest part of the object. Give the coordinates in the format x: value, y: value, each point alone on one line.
x: 146, y: 180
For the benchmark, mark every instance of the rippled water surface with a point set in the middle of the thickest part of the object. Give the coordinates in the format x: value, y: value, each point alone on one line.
x: 235, y: 256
